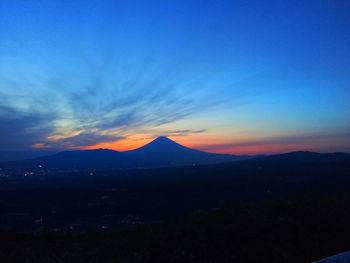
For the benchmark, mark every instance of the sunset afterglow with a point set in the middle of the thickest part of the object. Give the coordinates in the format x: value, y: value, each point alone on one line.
x: 113, y: 74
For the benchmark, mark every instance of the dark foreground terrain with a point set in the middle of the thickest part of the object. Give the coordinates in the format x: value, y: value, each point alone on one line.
x: 285, y: 231
x: 284, y: 208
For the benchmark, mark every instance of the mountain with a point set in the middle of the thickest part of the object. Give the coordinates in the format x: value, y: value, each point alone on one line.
x: 165, y: 152
x: 161, y: 152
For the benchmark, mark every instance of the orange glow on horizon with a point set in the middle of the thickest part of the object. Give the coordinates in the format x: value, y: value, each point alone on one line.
x: 259, y: 149
x: 130, y: 144
x: 213, y: 144
x: 121, y: 145
x: 139, y: 141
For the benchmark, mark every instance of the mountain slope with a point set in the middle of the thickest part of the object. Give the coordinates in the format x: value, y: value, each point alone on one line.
x: 165, y: 152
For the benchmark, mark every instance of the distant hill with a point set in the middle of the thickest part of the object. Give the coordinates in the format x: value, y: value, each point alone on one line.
x: 161, y: 152
x: 15, y: 155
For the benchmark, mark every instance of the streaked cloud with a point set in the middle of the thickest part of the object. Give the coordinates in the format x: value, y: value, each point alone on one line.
x: 80, y: 140
x: 19, y: 130
x: 110, y: 73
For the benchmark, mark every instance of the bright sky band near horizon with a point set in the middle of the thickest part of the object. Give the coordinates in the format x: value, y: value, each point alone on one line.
x: 241, y: 77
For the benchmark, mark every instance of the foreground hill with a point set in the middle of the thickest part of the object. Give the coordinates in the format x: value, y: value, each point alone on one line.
x: 161, y: 152
x: 132, y: 195
x: 291, y: 207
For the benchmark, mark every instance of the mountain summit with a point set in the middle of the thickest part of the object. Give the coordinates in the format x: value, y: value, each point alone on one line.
x: 161, y: 152
x: 161, y: 143
x: 163, y: 139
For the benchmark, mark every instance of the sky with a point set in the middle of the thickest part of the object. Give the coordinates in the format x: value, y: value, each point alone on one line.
x: 241, y: 77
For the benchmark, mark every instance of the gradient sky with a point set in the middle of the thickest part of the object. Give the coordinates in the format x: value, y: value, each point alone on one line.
x: 222, y: 76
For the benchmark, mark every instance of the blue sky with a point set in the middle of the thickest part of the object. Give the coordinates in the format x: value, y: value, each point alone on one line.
x: 224, y: 76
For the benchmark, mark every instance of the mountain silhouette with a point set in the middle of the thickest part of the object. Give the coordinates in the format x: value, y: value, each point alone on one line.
x: 165, y: 152
x: 161, y: 152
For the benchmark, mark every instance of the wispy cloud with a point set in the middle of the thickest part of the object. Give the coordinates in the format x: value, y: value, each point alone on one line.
x: 80, y: 140
x: 176, y: 133
x: 19, y: 130
x: 100, y: 108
